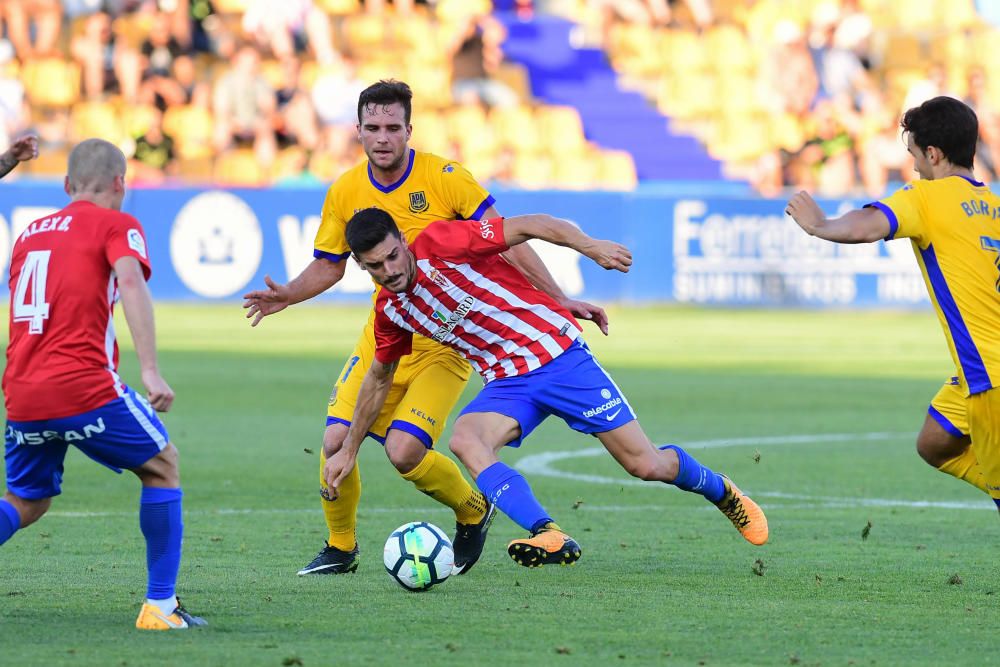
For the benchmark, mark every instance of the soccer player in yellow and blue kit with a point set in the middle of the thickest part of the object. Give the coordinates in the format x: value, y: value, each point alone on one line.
x: 953, y: 222
x: 416, y: 189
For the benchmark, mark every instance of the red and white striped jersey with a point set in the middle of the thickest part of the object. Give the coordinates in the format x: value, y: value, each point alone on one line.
x: 62, y: 359
x: 466, y: 296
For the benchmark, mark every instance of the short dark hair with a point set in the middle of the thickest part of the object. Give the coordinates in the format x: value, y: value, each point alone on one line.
x: 386, y: 92
x: 369, y: 227
x: 947, y: 123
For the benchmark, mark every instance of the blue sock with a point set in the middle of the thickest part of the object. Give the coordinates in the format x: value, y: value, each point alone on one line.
x: 162, y: 526
x: 10, y: 520
x: 510, y: 491
x: 693, y: 476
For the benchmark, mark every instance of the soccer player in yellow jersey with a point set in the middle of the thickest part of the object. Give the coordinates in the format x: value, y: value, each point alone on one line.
x: 953, y: 222
x: 416, y: 189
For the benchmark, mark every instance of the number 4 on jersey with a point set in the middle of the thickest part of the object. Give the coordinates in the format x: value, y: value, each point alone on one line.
x: 34, y: 272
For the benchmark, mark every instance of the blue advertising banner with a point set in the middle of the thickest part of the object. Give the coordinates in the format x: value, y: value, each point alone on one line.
x: 215, y: 244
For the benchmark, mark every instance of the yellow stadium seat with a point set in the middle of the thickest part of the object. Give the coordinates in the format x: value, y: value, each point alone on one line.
x: 532, y: 172
x: 617, y: 171
x: 683, y: 50
x: 196, y: 170
x: 190, y: 127
x: 94, y: 119
x: 430, y: 134
x: 339, y: 7
x: 515, y: 127
x: 327, y: 167
x: 240, y: 168
x: 465, y: 120
x: 583, y: 173
x: 561, y: 130
x: 136, y: 120
x: 729, y: 50
x: 903, y: 50
x: 51, y: 162
x: 481, y: 166
x: 430, y: 82
x: 230, y: 6
x: 51, y: 82
x: 365, y: 32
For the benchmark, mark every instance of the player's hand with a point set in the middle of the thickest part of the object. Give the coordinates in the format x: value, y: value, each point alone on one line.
x: 805, y: 212
x: 158, y: 392
x: 25, y: 148
x: 587, y: 311
x: 261, y: 303
x: 610, y: 255
x: 336, y: 470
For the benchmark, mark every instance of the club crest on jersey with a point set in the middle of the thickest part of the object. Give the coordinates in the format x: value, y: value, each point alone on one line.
x: 464, y: 306
x: 438, y: 279
x: 418, y: 202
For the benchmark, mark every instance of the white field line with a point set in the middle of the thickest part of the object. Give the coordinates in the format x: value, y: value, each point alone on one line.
x: 540, y: 465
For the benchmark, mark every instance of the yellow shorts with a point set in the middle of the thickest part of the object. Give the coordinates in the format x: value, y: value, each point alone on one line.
x: 425, y: 388
x: 949, y: 408
x: 984, y: 423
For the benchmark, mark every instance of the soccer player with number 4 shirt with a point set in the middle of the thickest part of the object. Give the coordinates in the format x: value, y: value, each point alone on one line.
x: 61, y: 383
x: 451, y: 285
x: 953, y: 223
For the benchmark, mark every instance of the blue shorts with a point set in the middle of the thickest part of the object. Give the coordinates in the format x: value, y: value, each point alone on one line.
x: 122, y: 434
x: 572, y: 386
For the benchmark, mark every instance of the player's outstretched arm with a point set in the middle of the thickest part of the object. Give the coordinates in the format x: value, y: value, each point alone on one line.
x: 864, y: 225
x: 22, y: 150
x: 138, y: 306
x: 318, y: 276
x: 371, y: 398
x: 607, y: 254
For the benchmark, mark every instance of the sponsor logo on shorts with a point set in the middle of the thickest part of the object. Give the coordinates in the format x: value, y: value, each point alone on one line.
x: 41, y: 437
x: 422, y: 415
x: 601, y: 409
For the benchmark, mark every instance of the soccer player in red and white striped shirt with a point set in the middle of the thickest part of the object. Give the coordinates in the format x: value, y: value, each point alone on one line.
x: 452, y: 286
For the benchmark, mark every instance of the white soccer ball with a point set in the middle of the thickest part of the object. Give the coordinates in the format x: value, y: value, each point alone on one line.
x: 418, y: 555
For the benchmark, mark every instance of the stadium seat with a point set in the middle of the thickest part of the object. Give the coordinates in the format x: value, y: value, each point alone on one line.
x: 903, y: 50
x: 339, y: 7
x: 430, y: 134
x: 94, y: 119
x: 190, y: 127
x: 582, y: 173
x: 231, y: 6
x: 515, y: 127
x: 729, y: 51
x: 364, y: 32
x: 136, y: 120
x: 532, y: 172
x: 616, y: 171
x: 684, y: 51
x: 51, y: 82
x: 560, y: 130
x: 196, y: 170
x: 239, y: 168
x: 50, y: 162
x: 466, y: 120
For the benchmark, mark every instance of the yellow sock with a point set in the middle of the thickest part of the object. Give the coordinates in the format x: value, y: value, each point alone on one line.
x: 966, y: 467
x: 342, y: 514
x: 439, y: 477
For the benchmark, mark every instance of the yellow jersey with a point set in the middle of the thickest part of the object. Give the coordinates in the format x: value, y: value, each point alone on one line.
x: 432, y: 188
x: 954, y: 226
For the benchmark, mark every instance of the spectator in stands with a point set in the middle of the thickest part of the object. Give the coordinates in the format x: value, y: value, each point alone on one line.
x: 988, y: 147
x: 826, y: 162
x: 879, y: 158
x: 160, y: 52
x: 842, y: 70
x: 287, y: 27
x: 476, y: 58
x: 334, y: 95
x: 180, y: 87
x: 295, y: 119
x: 934, y: 84
x: 154, y: 157
x: 44, y: 16
x: 243, y: 104
x: 108, y: 64
x: 788, y: 73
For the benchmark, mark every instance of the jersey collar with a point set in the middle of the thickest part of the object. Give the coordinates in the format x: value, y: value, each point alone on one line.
x: 389, y: 188
x: 978, y: 184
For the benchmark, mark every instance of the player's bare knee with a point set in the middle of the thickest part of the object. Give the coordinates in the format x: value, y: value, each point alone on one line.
x: 404, y: 454
x: 162, y: 470
x: 642, y: 467
x: 28, y: 510
x: 333, y: 439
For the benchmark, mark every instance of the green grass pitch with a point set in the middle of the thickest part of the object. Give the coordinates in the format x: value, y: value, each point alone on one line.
x: 813, y: 413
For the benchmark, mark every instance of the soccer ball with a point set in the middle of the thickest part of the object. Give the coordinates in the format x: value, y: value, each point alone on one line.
x: 418, y: 555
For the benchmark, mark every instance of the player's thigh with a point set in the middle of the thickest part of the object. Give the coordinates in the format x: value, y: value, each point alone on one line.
x: 576, y: 388
x: 33, y: 456
x: 431, y: 382
x: 984, y: 427
x: 344, y: 397
x: 124, y: 434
